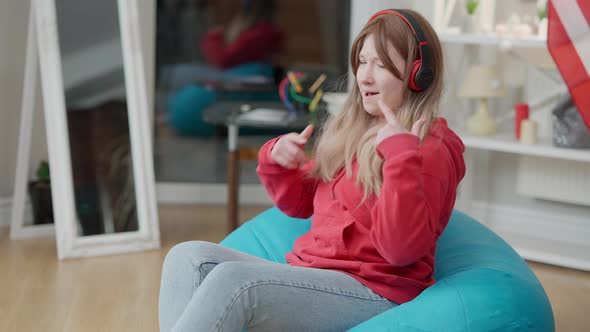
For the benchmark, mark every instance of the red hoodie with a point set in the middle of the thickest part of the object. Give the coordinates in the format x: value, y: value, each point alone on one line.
x: 258, y: 43
x: 388, y: 242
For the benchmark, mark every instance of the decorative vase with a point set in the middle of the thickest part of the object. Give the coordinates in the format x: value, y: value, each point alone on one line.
x: 542, y: 28
x: 469, y: 24
x: 40, y: 195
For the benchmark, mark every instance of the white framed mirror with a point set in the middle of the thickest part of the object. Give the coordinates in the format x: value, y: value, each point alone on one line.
x: 97, y: 121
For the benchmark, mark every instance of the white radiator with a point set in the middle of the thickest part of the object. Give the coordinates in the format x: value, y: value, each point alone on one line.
x: 554, y: 179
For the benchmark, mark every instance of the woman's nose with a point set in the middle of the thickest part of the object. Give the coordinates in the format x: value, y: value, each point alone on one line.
x: 366, y: 76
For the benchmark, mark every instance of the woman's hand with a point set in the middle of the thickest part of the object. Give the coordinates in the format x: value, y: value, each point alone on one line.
x: 393, y: 126
x: 288, y: 150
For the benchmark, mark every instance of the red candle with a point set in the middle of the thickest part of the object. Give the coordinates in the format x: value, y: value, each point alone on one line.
x: 521, y: 112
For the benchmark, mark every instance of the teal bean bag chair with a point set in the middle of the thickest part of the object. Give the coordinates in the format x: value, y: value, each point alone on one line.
x: 186, y: 105
x: 482, y: 283
x: 186, y: 109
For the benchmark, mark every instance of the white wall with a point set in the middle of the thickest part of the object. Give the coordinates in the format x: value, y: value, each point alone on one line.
x: 13, y: 22
x: 13, y: 33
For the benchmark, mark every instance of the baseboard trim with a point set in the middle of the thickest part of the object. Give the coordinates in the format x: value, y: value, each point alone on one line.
x: 22, y: 231
x: 197, y: 193
x: 537, y: 236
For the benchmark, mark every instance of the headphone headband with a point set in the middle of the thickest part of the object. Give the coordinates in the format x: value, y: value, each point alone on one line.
x: 423, y: 75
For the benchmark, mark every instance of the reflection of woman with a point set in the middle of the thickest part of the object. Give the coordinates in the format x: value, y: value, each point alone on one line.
x: 242, y: 49
x: 381, y: 191
x: 250, y: 37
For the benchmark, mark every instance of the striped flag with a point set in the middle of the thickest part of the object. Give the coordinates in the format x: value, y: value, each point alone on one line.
x: 568, y: 40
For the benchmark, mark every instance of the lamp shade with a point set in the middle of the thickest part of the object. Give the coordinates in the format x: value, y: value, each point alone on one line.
x: 482, y: 81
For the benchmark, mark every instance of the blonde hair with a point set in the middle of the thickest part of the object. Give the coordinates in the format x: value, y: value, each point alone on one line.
x: 351, y: 132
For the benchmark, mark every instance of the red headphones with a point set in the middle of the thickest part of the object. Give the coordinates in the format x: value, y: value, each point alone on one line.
x: 422, y: 75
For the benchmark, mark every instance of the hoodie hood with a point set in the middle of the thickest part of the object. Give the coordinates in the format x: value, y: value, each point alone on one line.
x: 439, y: 129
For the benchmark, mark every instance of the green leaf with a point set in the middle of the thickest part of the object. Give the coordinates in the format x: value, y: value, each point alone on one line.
x: 542, y: 12
x: 471, y: 6
x: 43, y: 171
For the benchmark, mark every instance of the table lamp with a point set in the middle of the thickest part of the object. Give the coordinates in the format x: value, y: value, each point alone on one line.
x: 482, y: 82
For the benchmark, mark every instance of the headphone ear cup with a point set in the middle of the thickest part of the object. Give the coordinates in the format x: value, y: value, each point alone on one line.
x: 416, y: 66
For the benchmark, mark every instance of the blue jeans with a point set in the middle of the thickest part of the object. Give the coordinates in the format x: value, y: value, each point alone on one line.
x: 208, y: 287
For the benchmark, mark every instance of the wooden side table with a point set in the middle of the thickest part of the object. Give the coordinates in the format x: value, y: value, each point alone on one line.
x: 228, y: 114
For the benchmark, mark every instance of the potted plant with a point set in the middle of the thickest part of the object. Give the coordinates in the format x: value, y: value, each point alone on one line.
x: 471, y: 6
x: 469, y: 24
x: 542, y: 18
x: 40, y: 195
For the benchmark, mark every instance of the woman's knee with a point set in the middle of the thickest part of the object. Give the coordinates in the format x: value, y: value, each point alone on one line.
x: 189, y: 252
x: 234, y: 275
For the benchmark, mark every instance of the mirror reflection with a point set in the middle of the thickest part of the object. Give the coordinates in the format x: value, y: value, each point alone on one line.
x: 213, y: 55
x: 98, y: 124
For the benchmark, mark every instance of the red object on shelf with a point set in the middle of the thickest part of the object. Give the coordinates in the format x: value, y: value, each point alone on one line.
x: 521, y: 111
x: 568, y: 35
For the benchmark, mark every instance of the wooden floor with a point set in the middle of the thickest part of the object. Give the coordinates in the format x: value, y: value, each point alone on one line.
x: 120, y: 293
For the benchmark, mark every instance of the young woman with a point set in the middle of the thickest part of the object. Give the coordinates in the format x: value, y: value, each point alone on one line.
x: 381, y: 190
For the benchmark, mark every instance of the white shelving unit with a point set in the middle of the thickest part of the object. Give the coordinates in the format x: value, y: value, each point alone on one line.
x: 554, y: 238
x: 493, y: 40
x: 505, y: 142
x: 546, y: 231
